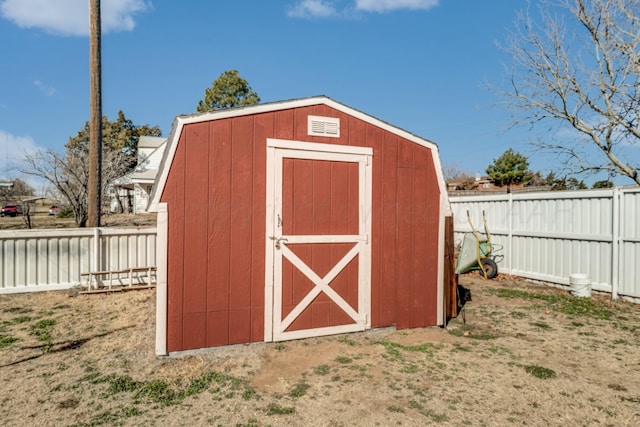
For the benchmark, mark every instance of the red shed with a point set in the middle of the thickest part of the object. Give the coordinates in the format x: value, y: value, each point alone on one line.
x: 296, y: 219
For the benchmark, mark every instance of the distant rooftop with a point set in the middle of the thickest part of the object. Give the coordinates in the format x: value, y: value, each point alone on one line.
x: 151, y: 141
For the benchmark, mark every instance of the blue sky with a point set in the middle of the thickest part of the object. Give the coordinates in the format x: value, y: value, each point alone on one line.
x: 422, y: 65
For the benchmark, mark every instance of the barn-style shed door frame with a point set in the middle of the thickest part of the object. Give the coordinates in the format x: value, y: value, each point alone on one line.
x: 278, y: 244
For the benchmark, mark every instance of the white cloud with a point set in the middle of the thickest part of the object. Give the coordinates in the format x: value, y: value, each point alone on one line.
x: 329, y: 8
x: 71, y: 17
x: 12, y: 151
x: 44, y: 88
x: 312, y: 8
x: 388, y: 5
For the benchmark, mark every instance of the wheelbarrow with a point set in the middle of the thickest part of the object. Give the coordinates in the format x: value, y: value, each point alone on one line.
x: 476, y: 252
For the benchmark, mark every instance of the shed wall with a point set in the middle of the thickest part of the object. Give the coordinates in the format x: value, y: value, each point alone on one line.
x: 216, y: 199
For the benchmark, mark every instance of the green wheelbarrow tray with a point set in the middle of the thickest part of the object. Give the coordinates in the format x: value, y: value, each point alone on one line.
x: 475, y: 252
x: 468, y: 258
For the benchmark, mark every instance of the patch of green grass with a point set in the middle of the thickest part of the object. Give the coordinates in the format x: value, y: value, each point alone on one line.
x: 540, y: 372
x: 299, y: 390
x: 280, y: 347
x: 394, y: 408
x: 123, y: 383
x: 112, y: 417
x: 42, y: 330
x: 252, y: 422
x: 7, y: 340
x: 275, y: 409
x: 103, y: 418
x: 628, y: 328
x: 541, y: 325
x: 459, y: 347
x: 249, y: 393
x: 346, y: 340
x: 467, y: 331
x: 561, y: 303
x: 160, y: 392
x: 201, y: 383
x: 435, y: 417
x: 94, y: 378
x: 18, y: 310
x: 394, y: 350
x: 497, y: 349
x: 410, y: 369
x: 321, y: 370
x: 17, y: 320
x: 343, y: 359
x: 131, y: 411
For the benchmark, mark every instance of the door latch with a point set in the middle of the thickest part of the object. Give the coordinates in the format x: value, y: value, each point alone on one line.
x: 278, y: 240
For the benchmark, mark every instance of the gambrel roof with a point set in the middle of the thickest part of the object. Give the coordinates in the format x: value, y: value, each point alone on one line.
x: 182, y: 120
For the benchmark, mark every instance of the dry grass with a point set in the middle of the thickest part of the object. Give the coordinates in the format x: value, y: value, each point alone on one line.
x: 527, y: 355
x: 41, y: 219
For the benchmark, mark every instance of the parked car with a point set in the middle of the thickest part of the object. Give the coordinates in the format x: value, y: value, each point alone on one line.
x: 11, y: 210
x: 54, y: 210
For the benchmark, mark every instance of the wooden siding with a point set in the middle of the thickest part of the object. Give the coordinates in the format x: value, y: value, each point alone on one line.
x: 450, y: 276
x: 216, y: 199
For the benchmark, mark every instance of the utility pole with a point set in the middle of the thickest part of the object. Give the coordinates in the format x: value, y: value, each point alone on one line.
x: 94, y: 203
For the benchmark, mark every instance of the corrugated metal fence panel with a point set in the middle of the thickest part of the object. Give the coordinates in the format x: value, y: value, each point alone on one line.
x: 33, y: 260
x: 562, y: 233
x: 551, y: 235
x: 496, y: 209
x: 630, y: 244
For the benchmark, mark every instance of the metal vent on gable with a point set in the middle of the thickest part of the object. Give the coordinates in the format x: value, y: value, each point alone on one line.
x: 324, y: 126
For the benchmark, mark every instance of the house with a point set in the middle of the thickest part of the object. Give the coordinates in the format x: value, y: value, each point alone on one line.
x: 481, y: 183
x: 130, y: 194
x: 296, y: 219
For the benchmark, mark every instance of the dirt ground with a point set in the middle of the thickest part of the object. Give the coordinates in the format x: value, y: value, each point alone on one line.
x: 522, y: 354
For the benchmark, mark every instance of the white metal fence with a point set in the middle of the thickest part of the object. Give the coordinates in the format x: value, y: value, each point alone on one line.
x: 549, y: 236
x: 53, y: 259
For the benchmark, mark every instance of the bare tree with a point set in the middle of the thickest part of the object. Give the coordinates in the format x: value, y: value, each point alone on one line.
x: 17, y: 190
x: 462, y: 180
x: 68, y: 173
x: 581, y: 69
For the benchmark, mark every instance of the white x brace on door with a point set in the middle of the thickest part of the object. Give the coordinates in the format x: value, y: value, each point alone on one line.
x: 304, y: 182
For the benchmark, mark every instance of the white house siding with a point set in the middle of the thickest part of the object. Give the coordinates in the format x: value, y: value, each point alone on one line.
x: 141, y: 197
x: 139, y: 183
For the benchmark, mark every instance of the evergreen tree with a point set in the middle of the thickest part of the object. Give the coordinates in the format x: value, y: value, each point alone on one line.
x: 510, y: 168
x: 229, y: 90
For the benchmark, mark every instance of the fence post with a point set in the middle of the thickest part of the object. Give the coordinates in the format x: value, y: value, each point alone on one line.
x: 96, y: 250
x: 615, y: 242
x: 510, y: 233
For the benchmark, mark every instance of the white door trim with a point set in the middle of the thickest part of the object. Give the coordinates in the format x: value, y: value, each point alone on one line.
x: 274, y: 325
